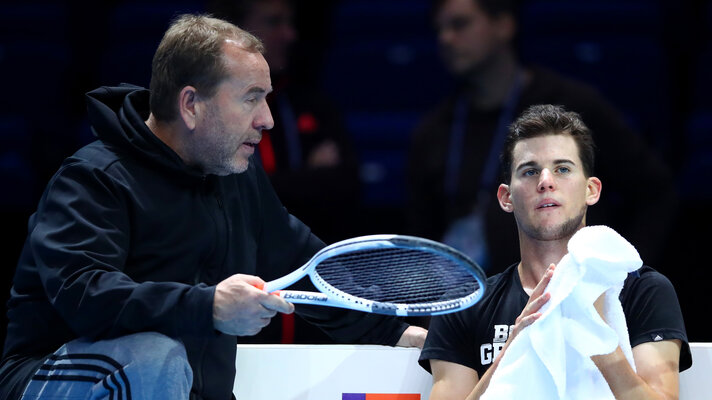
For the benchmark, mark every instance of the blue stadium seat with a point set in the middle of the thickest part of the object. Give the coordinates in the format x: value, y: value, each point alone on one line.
x: 133, y: 21
x: 708, y: 21
x: 368, y: 20
x: 697, y: 168
x: 382, y: 69
x: 129, y: 52
x: 35, y: 75
x: 15, y: 133
x: 34, y: 20
x: 702, y: 79
x: 36, y: 53
x: 16, y: 173
x: 603, y: 17
x: 381, y: 140
x: 127, y: 63
x: 383, y: 56
x: 382, y: 173
x: 385, y: 74
x: 614, y: 46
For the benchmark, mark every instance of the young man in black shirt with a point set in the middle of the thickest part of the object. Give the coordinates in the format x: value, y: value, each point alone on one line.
x: 549, y: 185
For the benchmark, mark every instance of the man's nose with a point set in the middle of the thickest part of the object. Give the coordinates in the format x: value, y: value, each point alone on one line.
x: 263, y: 119
x: 546, y: 180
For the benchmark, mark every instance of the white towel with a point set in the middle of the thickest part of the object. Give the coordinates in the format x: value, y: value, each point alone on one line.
x: 551, y: 359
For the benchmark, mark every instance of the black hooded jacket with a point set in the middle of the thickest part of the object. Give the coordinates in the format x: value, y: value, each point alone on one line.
x: 127, y: 238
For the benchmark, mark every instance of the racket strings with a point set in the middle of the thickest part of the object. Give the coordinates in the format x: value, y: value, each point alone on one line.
x: 398, y: 275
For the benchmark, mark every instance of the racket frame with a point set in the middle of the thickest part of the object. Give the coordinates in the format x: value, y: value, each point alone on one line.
x: 330, y: 296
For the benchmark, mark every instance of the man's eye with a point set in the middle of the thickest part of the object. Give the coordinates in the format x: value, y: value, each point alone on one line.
x: 455, y: 24
x: 564, y: 170
x: 529, y: 172
x: 459, y: 23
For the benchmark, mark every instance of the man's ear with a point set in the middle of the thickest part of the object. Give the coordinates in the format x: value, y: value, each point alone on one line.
x: 187, y: 99
x: 593, y: 190
x: 504, y: 196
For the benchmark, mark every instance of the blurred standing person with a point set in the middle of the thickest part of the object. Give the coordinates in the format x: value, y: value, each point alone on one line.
x: 453, y: 165
x: 307, y: 155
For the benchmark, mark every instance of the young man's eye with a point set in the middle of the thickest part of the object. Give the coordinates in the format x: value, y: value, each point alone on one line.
x: 455, y: 24
x: 564, y: 170
x: 529, y: 172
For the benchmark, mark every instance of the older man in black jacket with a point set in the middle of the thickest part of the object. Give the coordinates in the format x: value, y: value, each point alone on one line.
x: 140, y: 266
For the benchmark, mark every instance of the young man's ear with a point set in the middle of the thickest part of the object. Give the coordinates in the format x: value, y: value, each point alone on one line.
x: 504, y: 196
x: 187, y: 99
x: 593, y: 190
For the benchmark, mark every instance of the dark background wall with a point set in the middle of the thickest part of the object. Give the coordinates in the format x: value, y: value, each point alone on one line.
x: 378, y: 60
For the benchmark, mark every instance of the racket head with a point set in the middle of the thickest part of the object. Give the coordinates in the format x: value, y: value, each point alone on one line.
x: 397, y: 275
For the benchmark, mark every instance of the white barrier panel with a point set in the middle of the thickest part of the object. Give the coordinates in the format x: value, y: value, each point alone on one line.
x: 349, y: 372
x: 696, y: 382
x: 329, y: 372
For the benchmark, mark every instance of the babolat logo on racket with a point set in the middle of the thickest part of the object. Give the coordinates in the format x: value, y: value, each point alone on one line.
x: 303, y: 296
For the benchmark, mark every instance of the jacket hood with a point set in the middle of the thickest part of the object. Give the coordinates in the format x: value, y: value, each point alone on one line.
x: 117, y: 116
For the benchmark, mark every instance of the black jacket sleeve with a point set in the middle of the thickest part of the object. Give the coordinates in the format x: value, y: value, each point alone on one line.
x: 80, y: 244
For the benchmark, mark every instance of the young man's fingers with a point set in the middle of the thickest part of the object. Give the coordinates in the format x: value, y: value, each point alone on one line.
x: 544, y: 282
x: 535, y: 304
x: 530, y: 319
x: 540, y: 301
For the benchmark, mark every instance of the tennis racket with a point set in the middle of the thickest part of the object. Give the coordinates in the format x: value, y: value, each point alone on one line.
x: 387, y: 274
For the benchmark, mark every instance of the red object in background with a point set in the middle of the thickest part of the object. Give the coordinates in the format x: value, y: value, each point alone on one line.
x: 307, y: 123
x: 287, y: 328
x: 269, y: 163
